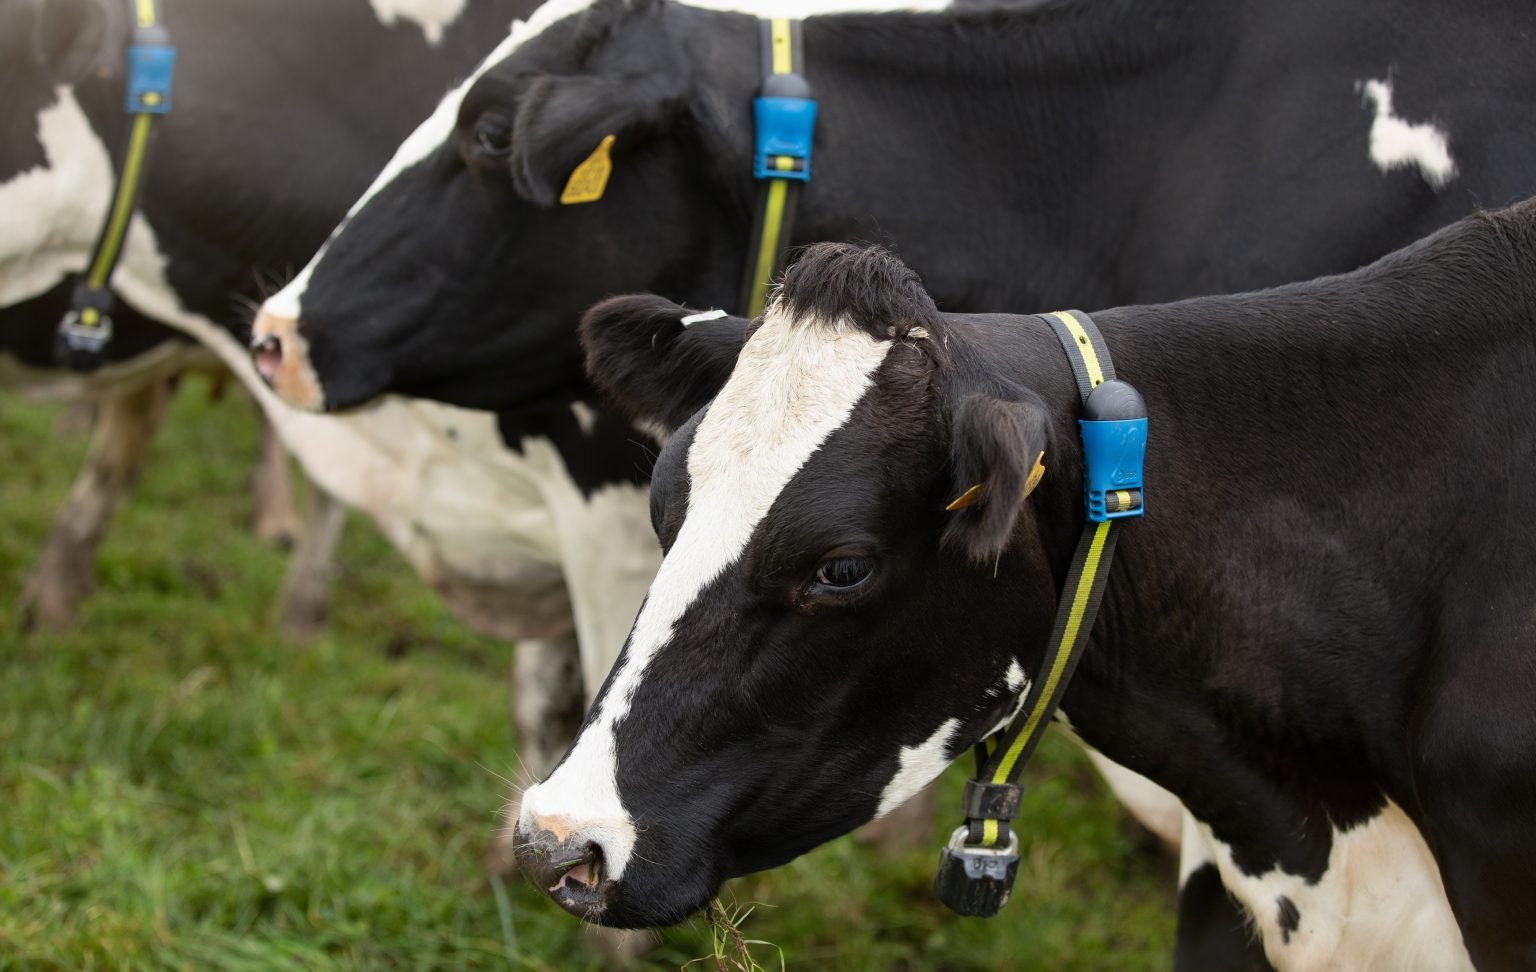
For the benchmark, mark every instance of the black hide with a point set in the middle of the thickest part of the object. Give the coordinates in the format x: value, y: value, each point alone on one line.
x: 1324, y: 610
x: 1075, y: 152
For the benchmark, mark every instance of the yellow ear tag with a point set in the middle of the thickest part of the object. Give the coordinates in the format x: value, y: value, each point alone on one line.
x: 590, y: 178
x: 967, y: 498
x: 1035, y: 475
x: 970, y: 496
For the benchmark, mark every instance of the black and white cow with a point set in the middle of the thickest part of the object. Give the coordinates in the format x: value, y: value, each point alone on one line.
x: 263, y: 94
x: 1020, y: 154
x: 1319, y: 637
x: 270, y: 139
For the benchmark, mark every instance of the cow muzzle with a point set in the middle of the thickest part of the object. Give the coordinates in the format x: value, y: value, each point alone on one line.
x: 572, y: 870
x: 281, y: 356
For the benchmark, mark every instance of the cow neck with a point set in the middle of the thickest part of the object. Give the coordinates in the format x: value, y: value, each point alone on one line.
x: 983, y: 112
x: 86, y: 328
x: 784, y: 117
x: 978, y: 867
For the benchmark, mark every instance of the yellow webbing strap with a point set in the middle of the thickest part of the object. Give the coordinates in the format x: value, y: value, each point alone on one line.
x: 774, y: 197
x: 1078, y: 604
x: 123, y: 202
x: 109, y: 244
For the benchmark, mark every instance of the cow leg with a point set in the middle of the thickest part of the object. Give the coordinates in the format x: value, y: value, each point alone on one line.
x: 273, y: 518
x: 1474, y: 754
x: 1215, y: 932
x: 303, y: 597
x: 66, y: 572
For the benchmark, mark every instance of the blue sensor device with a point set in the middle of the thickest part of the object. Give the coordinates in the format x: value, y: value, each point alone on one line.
x: 1114, y: 438
x: 784, y: 128
x: 150, y: 69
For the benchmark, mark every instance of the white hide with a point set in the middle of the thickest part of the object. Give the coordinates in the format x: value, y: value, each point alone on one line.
x: 432, y: 16
x: 1397, y: 144
x: 1380, y: 904
x: 436, y: 480
x: 918, y: 766
x: 49, y: 215
x: 795, y: 383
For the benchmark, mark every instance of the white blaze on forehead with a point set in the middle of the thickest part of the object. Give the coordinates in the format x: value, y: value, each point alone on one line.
x: 795, y: 383
x: 1395, y: 144
x: 426, y: 139
x: 432, y: 16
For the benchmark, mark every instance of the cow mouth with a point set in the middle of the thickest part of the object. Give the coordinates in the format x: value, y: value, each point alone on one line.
x: 574, y: 876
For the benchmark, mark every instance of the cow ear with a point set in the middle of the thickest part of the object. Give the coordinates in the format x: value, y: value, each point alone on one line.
x: 997, y: 454
x: 659, y: 361
x: 564, y: 124
x: 67, y: 38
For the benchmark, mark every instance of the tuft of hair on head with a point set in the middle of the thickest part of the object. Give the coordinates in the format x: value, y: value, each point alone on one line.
x: 858, y: 282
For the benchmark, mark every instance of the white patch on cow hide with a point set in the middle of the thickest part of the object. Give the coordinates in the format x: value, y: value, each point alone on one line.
x: 1396, y: 144
x: 1015, y: 678
x: 50, y: 215
x: 919, y: 766
x: 1380, y: 904
x: 795, y: 383
x: 585, y: 417
x: 1194, y: 852
x: 432, y: 16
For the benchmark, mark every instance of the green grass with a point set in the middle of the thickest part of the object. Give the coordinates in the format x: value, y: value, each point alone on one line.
x: 181, y: 788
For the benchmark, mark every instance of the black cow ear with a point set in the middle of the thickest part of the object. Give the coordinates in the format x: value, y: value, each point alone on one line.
x: 566, y: 122
x: 998, y: 453
x: 659, y: 361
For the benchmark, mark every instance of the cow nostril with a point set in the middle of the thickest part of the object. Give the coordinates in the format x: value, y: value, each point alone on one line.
x: 267, y: 352
x: 582, y: 875
x: 573, y: 871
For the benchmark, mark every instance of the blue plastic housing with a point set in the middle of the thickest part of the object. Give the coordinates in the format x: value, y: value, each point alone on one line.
x: 1113, y: 454
x: 150, y: 67
x: 784, y: 130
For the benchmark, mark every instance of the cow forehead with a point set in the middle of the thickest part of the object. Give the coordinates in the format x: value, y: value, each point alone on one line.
x: 795, y: 383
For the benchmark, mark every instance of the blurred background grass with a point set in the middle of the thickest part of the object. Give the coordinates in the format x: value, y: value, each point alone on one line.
x: 181, y: 788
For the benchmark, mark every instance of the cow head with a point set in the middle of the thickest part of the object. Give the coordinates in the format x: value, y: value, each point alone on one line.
x: 463, y: 250
x: 823, y: 637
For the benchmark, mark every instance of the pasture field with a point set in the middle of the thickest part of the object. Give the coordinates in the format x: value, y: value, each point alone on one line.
x: 182, y: 788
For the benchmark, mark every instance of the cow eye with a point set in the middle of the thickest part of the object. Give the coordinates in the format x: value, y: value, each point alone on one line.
x: 493, y: 134
x: 844, y: 573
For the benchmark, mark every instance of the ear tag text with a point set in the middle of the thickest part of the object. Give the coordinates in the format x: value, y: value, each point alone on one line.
x: 970, y: 496
x: 590, y: 178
